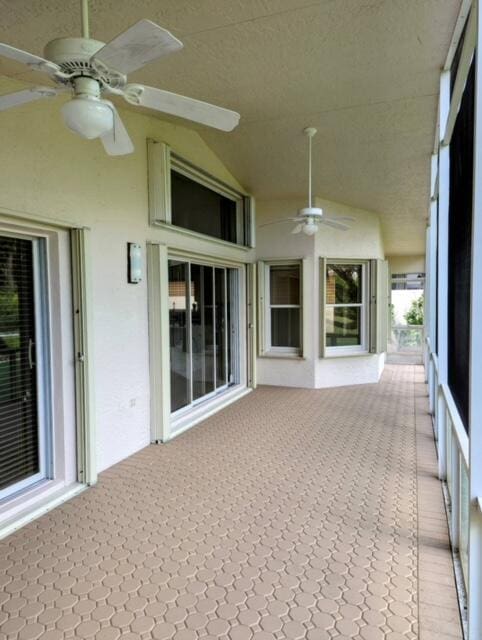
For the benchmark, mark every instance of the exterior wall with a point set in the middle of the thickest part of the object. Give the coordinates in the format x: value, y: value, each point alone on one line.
x: 406, y: 264
x: 49, y: 172
x: 364, y: 241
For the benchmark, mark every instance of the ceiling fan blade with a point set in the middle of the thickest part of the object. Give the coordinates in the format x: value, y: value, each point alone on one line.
x: 142, y: 43
x: 283, y: 220
x: 343, y: 219
x: 329, y: 222
x: 298, y: 228
x: 117, y: 141
x: 10, y: 100
x: 28, y: 58
x: 181, y: 106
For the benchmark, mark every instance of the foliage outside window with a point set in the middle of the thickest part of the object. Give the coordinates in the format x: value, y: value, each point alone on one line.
x: 415, y: 313
x: 345, y: 307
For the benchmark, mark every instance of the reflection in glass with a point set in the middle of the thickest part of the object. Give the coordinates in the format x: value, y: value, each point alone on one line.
x: 343, y: 283
x: 284, y: 285
x: 202, y: 322
x: 343, y: 326
x: 204, y: 330
x: 179, y: 335
x: 285, y: 327
x: 203, y: 210
x: 19, y: 441
x: 221, y: 326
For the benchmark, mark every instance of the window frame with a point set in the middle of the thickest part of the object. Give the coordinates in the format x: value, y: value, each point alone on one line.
x: 269, y: 348
x: 161, y: 162
x: 364, y: 305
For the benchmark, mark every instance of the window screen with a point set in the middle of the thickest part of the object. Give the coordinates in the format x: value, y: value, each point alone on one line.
x: 285, y: 308
x: 460, y: 250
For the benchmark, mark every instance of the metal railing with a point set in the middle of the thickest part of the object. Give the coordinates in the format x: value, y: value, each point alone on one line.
x: 407, y: 338
x: 453, y: 454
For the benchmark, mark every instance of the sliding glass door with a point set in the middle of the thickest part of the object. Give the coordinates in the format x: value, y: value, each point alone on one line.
x: 203, y: 331
x: 22, y: 385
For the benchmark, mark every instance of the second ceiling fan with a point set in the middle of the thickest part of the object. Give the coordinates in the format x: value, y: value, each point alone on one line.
x: 309, y: 218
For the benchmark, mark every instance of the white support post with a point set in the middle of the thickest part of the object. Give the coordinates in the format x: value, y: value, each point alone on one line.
x: 455, y: 495
x: 426, y: 310
x: 442, y: 289
x: 159, y: 365
x: 474, y: 589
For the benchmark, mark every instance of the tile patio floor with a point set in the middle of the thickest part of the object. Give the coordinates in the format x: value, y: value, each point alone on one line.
x: 291, y: 514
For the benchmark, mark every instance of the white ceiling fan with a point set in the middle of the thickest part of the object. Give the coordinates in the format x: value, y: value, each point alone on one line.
x: 309, y: 218
x: 90, y: 69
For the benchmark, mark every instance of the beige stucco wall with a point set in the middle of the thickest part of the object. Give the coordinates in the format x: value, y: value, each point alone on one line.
x: 406, y: 264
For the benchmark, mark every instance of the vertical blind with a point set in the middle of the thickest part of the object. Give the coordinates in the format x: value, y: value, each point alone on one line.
x: 19, y: 442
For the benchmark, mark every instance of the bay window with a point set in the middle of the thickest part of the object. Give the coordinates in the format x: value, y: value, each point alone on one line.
x: 282, y: 307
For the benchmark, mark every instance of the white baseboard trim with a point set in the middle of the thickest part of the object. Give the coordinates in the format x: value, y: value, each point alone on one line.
x: 45, y: 503
x: 203, y: 412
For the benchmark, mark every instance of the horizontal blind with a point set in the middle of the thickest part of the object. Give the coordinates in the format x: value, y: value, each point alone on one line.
x: 19, y: 455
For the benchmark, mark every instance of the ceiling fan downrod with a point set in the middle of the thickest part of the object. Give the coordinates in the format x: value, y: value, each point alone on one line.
x: 84, y: 13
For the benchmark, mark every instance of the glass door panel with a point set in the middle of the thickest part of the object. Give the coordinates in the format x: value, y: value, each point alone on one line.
x: 179, y: 334
x: 202, y: 327
x: 203, y: 331
x: 19, y: 424
x: 221, y: 326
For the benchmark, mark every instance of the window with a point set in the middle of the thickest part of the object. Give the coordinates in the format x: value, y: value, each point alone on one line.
x: 188, y: 198
x: 200, y: 209
x: 283, y: 307
x: 345, y: 307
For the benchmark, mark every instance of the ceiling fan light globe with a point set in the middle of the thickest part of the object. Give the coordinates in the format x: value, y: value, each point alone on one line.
x: 89, y: 118
x: 310, y: 228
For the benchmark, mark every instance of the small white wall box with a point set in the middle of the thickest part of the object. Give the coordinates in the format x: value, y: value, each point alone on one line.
x: 134, y: 263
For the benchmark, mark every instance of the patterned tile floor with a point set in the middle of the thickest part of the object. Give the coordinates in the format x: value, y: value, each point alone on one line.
x: 290, y: 514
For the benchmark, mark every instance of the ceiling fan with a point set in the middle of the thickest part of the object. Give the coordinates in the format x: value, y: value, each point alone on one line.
x: 90, y: 69
x: 309, y: 218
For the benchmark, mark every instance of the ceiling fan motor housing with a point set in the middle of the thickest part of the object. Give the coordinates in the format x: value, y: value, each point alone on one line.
x: 72, y: 53
x: 311, y: 212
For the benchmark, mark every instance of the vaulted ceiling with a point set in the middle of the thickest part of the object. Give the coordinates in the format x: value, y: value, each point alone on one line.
x: 364, y: 72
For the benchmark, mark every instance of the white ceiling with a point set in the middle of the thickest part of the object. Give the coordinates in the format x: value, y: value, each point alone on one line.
x: 364, y: 72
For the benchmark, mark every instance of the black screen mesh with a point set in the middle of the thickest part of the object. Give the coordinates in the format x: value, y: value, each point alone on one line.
x: 460, y: 250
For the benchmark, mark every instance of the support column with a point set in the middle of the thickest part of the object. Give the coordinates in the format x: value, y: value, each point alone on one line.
x: 442, y: 263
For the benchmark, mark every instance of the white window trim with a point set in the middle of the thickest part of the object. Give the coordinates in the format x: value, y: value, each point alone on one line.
x: 363, y: 348
x: 269, y: 349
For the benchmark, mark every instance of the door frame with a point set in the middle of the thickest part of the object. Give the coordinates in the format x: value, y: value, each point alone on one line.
x: 158, y: 256
x: 67, y: 264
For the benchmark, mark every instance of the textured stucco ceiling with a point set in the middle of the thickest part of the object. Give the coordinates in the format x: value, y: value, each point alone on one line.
x: 364, y: 72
